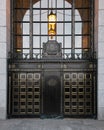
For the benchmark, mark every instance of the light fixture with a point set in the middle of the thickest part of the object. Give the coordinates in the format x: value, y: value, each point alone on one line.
x: 18, y: 50
x: 51, y: 23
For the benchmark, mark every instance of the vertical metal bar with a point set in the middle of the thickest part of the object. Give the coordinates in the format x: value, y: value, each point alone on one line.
x: 14, y: 16
x: 91, y: 18
x: 42, y: 73
x: 31, y: 30
x: 63, y: 51
x: 9, y: 91
x: 40, y: 28
x: 92, y: 28
x: 56, y: 18
x: 94, y: 100
x: 9, y: 94
x: 22, y: 28
x: 11, y: 29
x: 42, y: 87
x: 47, y: 18
x: 95, y: 87
x: 73, y: 29
x: 19, y: 90
x: 26, y: 105
x: 62, y: 90
x: 94, y: 94
x: 82, y: 32
x: 12, y: 94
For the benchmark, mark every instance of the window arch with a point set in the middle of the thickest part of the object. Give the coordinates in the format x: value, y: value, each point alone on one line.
x: 73, y: 25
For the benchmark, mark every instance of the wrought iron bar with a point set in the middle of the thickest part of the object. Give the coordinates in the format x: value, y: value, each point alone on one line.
x: 31, y: 28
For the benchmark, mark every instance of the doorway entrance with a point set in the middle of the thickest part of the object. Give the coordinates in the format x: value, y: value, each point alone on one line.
x: 52, y: 75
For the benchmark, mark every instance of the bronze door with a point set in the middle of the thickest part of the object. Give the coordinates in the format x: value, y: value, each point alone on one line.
x: 51, y: 93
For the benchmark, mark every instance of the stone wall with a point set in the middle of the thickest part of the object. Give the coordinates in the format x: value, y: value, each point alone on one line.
x: 101, y: 60
x: 3, y: 60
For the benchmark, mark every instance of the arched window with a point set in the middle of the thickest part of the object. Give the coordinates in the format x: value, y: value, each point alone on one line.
x: 73, y: 26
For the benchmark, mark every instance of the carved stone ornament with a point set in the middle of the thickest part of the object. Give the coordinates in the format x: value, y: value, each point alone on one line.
x: 52, y: 49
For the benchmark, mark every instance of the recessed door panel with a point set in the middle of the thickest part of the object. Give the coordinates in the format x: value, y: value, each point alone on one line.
x: 51, y: 93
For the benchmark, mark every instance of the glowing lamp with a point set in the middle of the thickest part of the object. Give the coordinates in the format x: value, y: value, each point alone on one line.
x: 52, y: 24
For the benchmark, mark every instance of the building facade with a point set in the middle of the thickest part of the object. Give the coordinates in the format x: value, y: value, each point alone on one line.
x: 82, y: 73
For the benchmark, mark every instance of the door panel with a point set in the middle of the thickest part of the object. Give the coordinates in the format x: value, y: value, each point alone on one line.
x: 51, y: 93
x: 25, y: 93
x: 78, y: 93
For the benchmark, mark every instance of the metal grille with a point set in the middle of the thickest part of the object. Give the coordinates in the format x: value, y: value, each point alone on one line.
x: 78, y: 93
x: 25, y: 93
x: 74, y: 27
x: 56, y: 88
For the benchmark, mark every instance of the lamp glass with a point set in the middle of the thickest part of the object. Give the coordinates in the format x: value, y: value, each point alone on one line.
x: 52, y: 24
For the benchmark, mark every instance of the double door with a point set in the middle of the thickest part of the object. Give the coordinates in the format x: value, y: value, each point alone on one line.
x: 51, y: 93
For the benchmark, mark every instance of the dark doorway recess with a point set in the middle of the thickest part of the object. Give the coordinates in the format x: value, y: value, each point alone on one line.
x: 52, y: 94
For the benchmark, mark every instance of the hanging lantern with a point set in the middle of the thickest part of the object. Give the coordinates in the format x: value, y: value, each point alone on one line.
x: 52, y: 24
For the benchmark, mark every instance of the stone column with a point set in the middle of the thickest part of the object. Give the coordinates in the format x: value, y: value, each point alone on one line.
x: 3, y: 61
x: 100, y: 60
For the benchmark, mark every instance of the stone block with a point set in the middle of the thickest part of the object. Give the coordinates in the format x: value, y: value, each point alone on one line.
x: 101, y: 15
x: 3, y: 82
x: 2, y: 17
x: 101, y: 97
x: 101, y: 50
x: 101, y: 33
x: 3, y: 98
x: 100, y: 81
x: 3, y: 34
x: 100, y: 66
x: 3, y: 66
x: 3, y: 50
x: 101, y: 4
x: 3, y: 113
x: 100, y: 113
x: 2, y: 4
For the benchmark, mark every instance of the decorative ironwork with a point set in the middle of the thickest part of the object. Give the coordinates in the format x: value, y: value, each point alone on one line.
x: 29, y: 81
x: 78, y: 93
x: 25, y: 93
x: 74, y: 26
x: 67, y: 56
